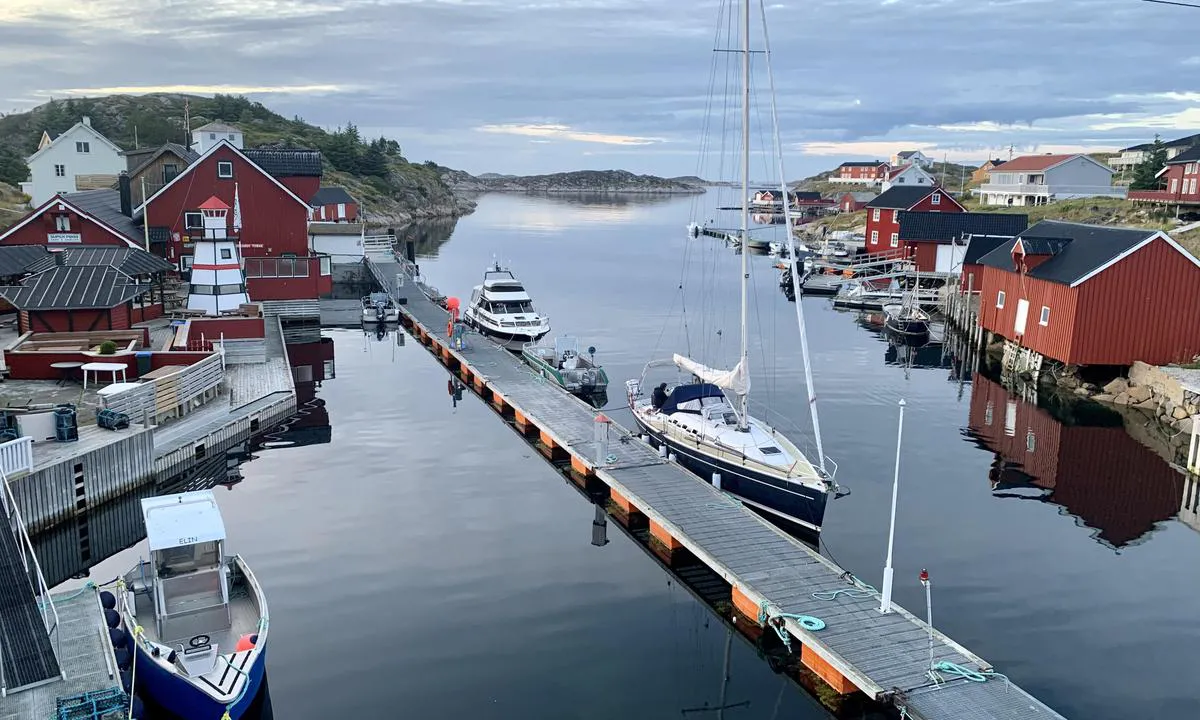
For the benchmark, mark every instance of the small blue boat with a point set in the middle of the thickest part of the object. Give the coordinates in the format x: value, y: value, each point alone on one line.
x: 197, y: 616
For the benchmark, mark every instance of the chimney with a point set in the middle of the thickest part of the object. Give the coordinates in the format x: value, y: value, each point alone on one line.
x: 126, y: 194
x: 87, y: 121
x: 58, y: 257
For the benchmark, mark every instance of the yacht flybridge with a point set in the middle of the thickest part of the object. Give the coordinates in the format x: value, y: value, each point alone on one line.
x: 502, y: 310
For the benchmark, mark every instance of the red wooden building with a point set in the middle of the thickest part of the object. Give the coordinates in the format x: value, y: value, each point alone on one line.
x: 883, y: 220
x: 92, y: 217
x: 937, y: 241
x: 1092, y: 468
x: 1180, y: 180
x: 334, y: 204
x: 275, y: 222
x: 298, y: 169
x: 1090, y: 295
x: 867, y: 173
x: 855, y: 201
x: 75, y: 298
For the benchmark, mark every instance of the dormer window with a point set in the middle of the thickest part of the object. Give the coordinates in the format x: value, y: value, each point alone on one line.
x: 224, y: 169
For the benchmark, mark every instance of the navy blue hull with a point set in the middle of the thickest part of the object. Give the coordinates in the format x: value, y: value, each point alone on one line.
x: 179, y: 697
x: 777, y: 500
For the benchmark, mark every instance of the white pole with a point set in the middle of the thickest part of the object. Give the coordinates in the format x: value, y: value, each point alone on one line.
x: 885, y: 605
x: 928, y: 613
x: 744, y: 398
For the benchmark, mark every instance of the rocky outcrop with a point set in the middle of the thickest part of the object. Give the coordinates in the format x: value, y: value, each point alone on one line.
x: 581, y: 181
x: 1171, y: 395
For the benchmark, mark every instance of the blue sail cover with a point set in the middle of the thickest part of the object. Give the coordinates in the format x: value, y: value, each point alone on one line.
x: 686, y: 393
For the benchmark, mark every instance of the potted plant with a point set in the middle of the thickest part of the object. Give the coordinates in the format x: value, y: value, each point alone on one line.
x: 108, y: 347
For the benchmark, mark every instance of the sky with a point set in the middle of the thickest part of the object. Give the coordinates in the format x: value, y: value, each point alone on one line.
x: 535, y: 86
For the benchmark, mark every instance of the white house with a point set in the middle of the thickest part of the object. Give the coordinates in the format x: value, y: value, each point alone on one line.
x: 1135, y: 155
x: 914, y: 157
x: 907, y: 176
x: 1040, y: 179
x: 206, y: 136
x: 341, y: 241
x: 79, y: 159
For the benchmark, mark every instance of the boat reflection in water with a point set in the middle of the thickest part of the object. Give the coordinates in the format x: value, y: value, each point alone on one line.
x: 1078, y: 457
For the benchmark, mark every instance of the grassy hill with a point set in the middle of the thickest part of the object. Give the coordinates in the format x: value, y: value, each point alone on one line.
x: 374, y: 170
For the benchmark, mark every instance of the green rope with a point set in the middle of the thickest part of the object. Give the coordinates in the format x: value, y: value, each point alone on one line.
x: 945, y: 666
x: 859, y: 590
x: 776, y: 622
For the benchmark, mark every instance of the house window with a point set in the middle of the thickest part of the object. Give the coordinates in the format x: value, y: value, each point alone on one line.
x: 226, y: 254
x: 212, y: 136
x: 901, y: 180
x: 231, y: 136
x: 169, y: 171
x: 1030, y: 440
x: 1045, y: 318
x: 1174, y: 184
x: 1000, y: 299
x: 936, y: 198
x: 895, y: 239
x: 234, y: 289
x: 224, y: 169
x: 83, y: 147
x: 201, y: 290
x: 60, y: 171
x: 193, y: 220
x: 62, y: 223
x: 875, y: 215
x: 874, y: 237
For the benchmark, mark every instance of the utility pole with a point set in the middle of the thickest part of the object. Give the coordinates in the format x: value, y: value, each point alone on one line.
x: 885, y: 603
x: 145, y: 215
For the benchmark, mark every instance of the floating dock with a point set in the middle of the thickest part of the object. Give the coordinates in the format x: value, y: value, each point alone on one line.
x: 772, y: 577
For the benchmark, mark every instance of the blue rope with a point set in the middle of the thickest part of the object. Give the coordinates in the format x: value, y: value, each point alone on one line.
x: 945, y: 666
x: 808, y: 622
x: 859, y: 591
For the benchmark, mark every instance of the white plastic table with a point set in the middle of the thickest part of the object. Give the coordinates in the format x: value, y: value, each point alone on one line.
x: 99, y: 367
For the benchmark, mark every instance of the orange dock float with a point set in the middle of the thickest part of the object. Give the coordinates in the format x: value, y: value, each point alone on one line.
x: 775, y: 583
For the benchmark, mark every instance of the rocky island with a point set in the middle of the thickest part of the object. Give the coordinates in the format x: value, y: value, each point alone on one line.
x: 579, y: 181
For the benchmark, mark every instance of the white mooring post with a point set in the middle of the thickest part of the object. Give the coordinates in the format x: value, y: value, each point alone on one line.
x: 885, y: 605
x: 600, y: 430
x: 928, y: 613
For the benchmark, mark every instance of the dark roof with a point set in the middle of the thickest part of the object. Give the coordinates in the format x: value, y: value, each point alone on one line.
x: 805, y: 195
x: 1043, y: 245
x: 188, y: 155
x: 875, y: 163
x: 861, y: 196
x: 948, y: 227
x: 1178, y: 142
x: 331, y: 196
x: 902, y: 197
x: 1189, y: 155
x: 980, y: 245
x: 16, y: 259
x: 286, y: 162
x: 1081, y: 249
x: 131, y: 261
x: 82, y: 287
x: 334, y: 228
x: 105, y: 206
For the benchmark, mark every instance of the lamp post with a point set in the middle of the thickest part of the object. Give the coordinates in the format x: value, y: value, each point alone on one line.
x: 885, y: 605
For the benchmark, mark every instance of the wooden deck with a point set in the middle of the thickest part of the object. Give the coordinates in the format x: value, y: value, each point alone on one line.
x: 886, y: 656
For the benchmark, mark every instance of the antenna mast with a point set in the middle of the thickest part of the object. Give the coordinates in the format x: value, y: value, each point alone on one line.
x: 744, y: 399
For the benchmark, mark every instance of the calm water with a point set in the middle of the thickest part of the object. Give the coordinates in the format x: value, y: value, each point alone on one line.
x: 427, y: 563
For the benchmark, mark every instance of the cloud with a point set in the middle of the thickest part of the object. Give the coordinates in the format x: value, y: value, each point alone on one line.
x: 565, y: 132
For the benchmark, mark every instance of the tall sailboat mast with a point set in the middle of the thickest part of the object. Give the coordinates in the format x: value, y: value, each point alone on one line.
x: 744, y: 399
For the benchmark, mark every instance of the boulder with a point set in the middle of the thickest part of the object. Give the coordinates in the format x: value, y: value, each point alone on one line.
x: 1116, y: 387
x: 1150, y: 405
x: 1179, y: 413
x: 1069, y: 381
x: 1104, y: 398
x: 1141, y: 393
x: 1082, y: 391
x: 1192, y: 409
x: 1184, y: 426
x: 1121, y: 399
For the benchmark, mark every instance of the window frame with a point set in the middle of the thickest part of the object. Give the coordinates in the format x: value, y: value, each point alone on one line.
x: 62, y: 223
x: 895, y: 240
x: 187, y: 225
x: 1044, y: 317
x: 875, y: 214
x: 221, y: 165
x: 874, y: 237
x: 1000, y: 298
x: 60, y: 170
x: 935, y: 199
x: 83, y: 147
x: 226, y: 254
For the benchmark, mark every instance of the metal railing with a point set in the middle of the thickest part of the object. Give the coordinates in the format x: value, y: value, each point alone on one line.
x: 170, y: 395
x: 1048, y: 189
x: 29, y: 561
x: 378, y: 245
x: 16, y: 456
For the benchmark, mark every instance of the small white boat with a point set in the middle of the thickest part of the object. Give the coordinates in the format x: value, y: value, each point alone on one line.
x: 379, y: 307
x: 197, y: 618
x: 501, y: 310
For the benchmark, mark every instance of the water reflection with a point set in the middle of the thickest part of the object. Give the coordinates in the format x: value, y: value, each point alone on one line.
x: 1078, y: 457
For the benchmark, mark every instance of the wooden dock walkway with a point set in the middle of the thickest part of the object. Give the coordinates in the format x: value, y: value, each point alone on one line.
x: 886, y: 656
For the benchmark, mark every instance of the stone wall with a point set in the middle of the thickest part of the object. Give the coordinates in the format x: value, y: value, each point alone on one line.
x: 1165, y: 392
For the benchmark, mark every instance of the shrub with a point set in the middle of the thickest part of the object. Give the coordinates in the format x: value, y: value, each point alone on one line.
x: 108, y: 347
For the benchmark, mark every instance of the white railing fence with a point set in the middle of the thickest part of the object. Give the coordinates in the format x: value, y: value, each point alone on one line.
x: 16, y: 456
x: 378, y: 245
x: 1193, y: 461
x: 170, y: 395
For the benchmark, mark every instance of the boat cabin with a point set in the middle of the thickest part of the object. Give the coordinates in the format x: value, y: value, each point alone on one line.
x: 188, y: 575
x: 703, y: 399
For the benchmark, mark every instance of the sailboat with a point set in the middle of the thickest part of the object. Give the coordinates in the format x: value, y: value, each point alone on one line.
x: 706, y: 423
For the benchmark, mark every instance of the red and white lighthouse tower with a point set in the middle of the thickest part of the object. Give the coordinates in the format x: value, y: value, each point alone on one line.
x: 217, y: 280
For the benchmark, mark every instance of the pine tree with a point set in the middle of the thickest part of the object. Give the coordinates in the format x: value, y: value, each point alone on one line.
x: 374, y: 161
x: 1145, y: 171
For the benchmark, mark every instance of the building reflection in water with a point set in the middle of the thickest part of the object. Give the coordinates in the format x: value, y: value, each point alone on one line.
x: 1080, y: 458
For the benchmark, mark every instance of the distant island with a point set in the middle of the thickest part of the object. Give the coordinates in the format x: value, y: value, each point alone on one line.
x: 579, y: 181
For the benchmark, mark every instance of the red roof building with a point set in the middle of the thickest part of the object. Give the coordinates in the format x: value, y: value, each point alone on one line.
x: 91, y: 217
x: 1090, y: 295
x: 1180, y: 180
x: 863, y: 173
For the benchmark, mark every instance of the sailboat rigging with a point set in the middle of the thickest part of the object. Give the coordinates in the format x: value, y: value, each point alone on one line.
x: 718, y: 440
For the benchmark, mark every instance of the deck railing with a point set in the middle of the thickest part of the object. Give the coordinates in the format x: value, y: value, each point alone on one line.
x: 1193, y: 462
x: 16, y: 456
x: 33, y: 569
x: 170, y: 395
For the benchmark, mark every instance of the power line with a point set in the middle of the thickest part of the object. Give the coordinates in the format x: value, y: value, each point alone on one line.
x: 1173, y: 2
